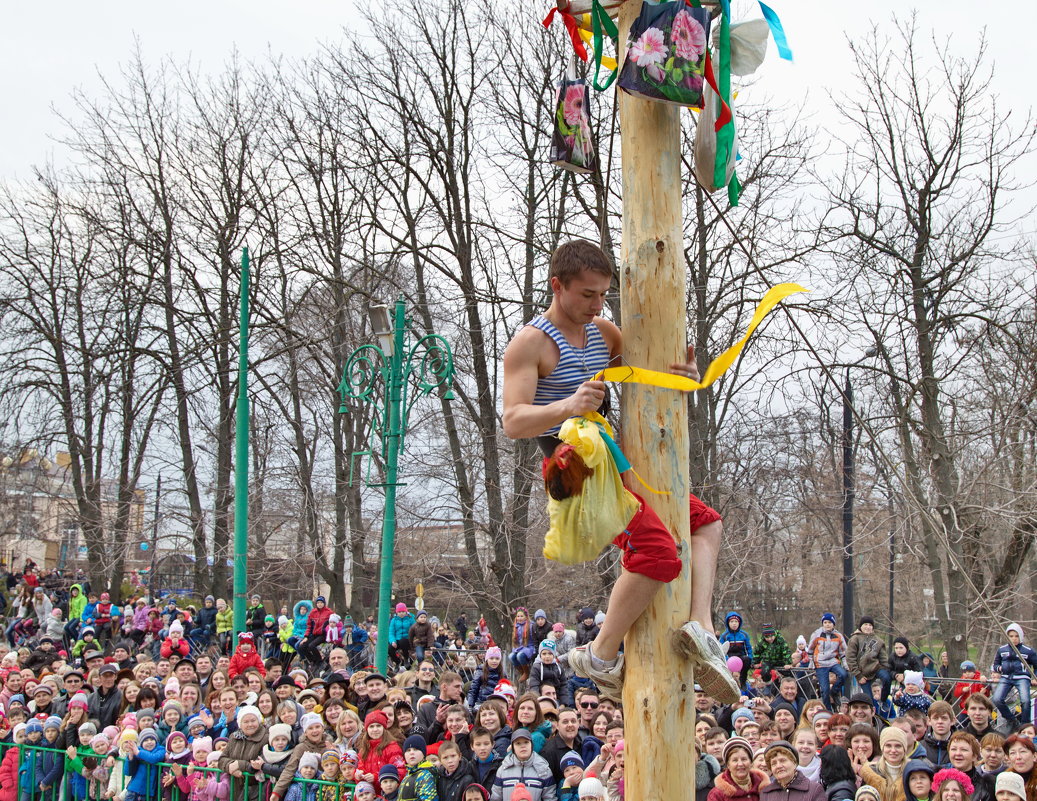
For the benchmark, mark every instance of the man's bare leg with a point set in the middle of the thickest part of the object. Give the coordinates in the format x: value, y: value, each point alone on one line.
x: 630, y: 596
x: 705, y: 549
x: 695, y: 640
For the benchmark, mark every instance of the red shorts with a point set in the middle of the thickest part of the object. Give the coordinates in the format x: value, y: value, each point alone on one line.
x: 648, y: 546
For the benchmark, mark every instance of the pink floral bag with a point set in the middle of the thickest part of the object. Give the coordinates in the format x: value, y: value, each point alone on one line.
x: 572, y: 147
x: 666, y: 53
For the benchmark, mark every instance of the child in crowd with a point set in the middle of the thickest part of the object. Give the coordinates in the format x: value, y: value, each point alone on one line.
x: 246, y: 656
x: 972, y: 681
x: 420, y: 781
x: 454, y: 773
x: 143, y: 770
x: 331, y: 771
x: 913, y: 695
x: 364, y: 792
x: 270, y: 764
x: 482, y: 685
x: 918, y: 780
x: 389, y: 782
x: 271, y: 642
x: 485, y: 760
x: 197, y: 777
x: 571, y: 765
x: 309, y: 765
x: 178, y: 756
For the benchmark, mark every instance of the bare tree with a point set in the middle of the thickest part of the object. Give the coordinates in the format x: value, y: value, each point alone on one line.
x: 917, y: 212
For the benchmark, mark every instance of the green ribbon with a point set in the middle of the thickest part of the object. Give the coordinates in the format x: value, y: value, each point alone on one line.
x: 726, y: 135
x: 601, y: 24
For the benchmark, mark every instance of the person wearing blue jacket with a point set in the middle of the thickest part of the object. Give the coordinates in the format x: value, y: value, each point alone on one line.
x: 30, y: 772
x: 738, y: 644
x: 357, y: 643
x: 399, y: 636
x: 144, y: 770
x: 52, y: 761
x: 486, y: 679
x: 300, y: 617
x: 1014, y: 665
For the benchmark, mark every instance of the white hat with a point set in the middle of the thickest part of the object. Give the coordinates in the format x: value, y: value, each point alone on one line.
x: 1012, y: 782
x: 248, y: 709
x: 914, y: 677
x: 591, y: 787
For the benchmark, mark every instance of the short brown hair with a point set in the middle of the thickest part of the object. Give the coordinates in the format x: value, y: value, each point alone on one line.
x: 941, y: 708
x: 964, y: 736
x: 979, y: 698
x: 447, y: 746
x: 573, y: 257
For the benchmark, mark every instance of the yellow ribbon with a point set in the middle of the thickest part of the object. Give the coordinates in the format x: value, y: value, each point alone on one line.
x: 587, y: 36
x: 719, y: 366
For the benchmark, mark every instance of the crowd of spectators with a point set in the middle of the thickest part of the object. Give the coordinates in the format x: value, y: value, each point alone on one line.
x: 161, y: 701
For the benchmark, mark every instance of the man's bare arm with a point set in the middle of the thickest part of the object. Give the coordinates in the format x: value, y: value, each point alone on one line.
x: 523, y: 420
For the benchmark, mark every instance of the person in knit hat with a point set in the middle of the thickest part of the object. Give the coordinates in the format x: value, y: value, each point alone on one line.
x: 399, y: 636
x: 244, y: 746
x: 913, y: 695
x: 739, y: 779
x: 246, y: 656
x: 486, y: 679
x: 276, y: 753
x: 541, y: 626
x: 175, y: 644
x: 364, y: 792
x: 309, y: 767
x: 313, y: 741
x: 885, y: 774
x: 1010, y: 783
x: 772, y: 652
x: 591, y: 789
x: 827, y: 648
x: 420, y: 781
x: 331, y: 771
x: 546, y: 670
x: 790, y: 784
x: 1014, y: 666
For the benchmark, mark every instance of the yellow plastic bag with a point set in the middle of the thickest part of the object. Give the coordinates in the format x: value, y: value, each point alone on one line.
x: 581, y: 526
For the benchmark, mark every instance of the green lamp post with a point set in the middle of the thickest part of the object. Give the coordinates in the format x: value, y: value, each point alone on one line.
x: 428, y: 365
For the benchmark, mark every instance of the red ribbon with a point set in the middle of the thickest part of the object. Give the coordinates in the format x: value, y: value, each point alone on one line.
x: 711, y: 79
x: 574, y: 30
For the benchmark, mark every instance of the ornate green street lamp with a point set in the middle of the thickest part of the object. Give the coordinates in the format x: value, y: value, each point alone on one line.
x: 403, y: 376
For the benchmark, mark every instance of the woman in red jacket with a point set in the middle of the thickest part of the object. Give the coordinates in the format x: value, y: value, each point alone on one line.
x: 376, y: 748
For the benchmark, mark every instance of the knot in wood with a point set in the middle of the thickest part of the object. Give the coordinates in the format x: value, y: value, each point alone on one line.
x: 660, y: 246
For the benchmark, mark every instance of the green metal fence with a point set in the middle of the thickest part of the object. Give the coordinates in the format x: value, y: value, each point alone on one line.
x: 89, y: 777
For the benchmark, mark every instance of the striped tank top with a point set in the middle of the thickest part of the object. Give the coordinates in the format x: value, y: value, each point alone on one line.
x: 575, y: 365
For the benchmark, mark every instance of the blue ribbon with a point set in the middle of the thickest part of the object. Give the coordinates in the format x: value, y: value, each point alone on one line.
x: 622, y: 463
x: 777, y: 31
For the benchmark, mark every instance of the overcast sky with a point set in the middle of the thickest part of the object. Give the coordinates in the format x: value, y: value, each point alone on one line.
x: 51, y: 48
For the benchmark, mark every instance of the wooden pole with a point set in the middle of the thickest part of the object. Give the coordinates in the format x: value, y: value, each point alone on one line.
x: 658, y: 694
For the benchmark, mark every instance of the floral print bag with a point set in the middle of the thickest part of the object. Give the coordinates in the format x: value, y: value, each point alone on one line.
x: 666, y: 52
x: 572, y: 147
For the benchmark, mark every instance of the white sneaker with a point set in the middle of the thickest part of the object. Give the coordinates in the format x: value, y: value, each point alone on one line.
x: 608, y: 681
x: 711, y: 672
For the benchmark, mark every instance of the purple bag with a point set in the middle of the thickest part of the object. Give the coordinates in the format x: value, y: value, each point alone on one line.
x: 666, y: 53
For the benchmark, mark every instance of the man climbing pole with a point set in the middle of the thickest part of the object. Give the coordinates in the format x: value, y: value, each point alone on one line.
x: 548, y: 367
